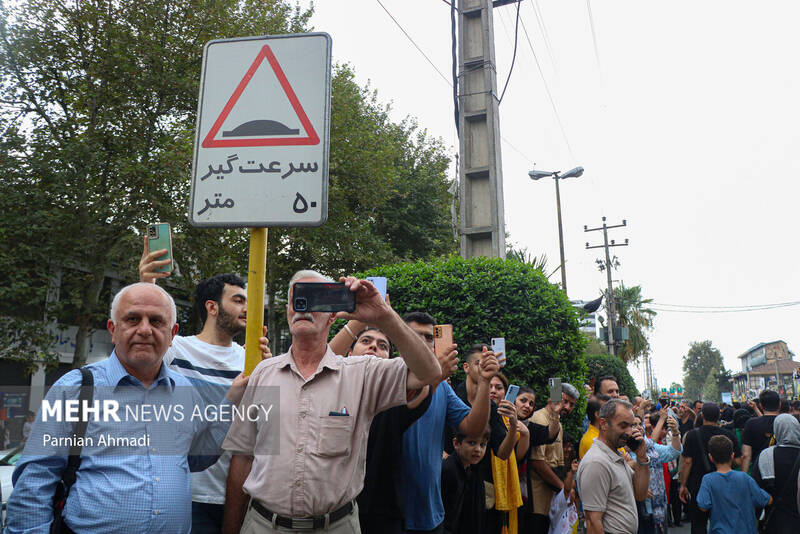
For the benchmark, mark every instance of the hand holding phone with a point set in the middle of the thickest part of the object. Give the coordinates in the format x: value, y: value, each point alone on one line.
x: 499, y: 349
x: 159, y: 236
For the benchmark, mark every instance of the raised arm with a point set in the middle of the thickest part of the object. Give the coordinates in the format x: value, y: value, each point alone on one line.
x: 148, y: 264
x: 477, y: 418
x: 372, y: 309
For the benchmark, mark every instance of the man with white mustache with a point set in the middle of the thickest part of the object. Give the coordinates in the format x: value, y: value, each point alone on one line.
x: 327, y: 403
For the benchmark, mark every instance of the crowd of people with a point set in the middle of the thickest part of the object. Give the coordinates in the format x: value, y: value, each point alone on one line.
x: 372, y: 437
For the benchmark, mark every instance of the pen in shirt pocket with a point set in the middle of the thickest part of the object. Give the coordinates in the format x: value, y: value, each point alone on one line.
x: 343, y: 413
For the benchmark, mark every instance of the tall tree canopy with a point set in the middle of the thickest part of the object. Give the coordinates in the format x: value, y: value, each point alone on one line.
x: 701, y: 362
x: 633, y: 313
x: 97, y: 109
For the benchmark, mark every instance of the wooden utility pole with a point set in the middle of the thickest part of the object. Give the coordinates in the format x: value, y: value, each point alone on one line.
x: 610, y: 291
x: 482, y: 227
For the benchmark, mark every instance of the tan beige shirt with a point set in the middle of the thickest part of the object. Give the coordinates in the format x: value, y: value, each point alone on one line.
x: 605, y: 484
x: 322, y: 457
x: 553, y: 455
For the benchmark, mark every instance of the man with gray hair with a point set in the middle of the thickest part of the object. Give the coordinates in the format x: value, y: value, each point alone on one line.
x: 545, y: 459
x: 139, y: 487
x: 608, y: 486
x: 327, y: 403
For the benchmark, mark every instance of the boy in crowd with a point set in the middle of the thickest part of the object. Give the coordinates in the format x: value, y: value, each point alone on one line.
x: 462, y: 485
x: 729, y: 495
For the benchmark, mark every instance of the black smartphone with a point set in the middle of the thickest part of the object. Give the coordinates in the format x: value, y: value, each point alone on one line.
x: 322, y: 297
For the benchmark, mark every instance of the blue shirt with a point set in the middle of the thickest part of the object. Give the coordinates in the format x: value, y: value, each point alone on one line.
x: 423, y: 444
x: 731, y: 497
x: 143, y: 488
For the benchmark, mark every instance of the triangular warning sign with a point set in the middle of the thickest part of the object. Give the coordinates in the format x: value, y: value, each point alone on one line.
x: 255, y: 128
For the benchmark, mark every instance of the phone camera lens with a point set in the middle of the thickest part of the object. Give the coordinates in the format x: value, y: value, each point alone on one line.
x: 300, y: 304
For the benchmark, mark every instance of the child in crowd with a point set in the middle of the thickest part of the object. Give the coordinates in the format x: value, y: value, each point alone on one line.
x: 463, y: 493
x: 730, y: 495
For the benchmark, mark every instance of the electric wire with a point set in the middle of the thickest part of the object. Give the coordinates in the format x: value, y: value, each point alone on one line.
x: 594, y: 34
x: 513, y: 56
x: 537, y: 11
x: 721, y: 309
x: 789, y: 303
x: 455, y: 65
x: 414, y: 43
x: 451, y: 84
x: 547, y: 90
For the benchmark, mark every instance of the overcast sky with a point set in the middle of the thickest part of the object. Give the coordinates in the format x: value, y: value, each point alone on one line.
x: 684, y: 116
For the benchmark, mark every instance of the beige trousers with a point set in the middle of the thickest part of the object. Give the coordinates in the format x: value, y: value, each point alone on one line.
x: 255, y: 523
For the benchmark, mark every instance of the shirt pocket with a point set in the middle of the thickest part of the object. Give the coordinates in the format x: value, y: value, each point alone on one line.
x: 334, y: 436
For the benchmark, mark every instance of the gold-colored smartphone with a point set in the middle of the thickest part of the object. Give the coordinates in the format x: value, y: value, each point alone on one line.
x: 442, y: 339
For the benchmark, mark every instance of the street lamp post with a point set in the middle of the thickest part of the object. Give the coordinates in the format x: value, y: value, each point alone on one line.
x: 574, y: 173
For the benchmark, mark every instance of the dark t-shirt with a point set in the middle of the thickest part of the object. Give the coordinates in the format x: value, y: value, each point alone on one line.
x: 463, y: 497
x: 758, y: 434
x: 683, y: 428
x: 783, y: 489
x: 497, y: 426
x: 383, y: 490
x: 696, y: 447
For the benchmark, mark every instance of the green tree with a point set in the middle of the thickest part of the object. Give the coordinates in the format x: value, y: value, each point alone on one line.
x: 97, y: 106
x: 100, y: 98
x: 710, y: 388
x: 484, y: 298
x: 701, y: 361
x: 633, y: 313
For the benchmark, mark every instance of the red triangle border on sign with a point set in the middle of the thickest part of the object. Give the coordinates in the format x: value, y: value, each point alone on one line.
x: 311, y: 139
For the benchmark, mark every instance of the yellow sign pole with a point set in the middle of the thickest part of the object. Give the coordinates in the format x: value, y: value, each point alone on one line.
x: 256, y: 281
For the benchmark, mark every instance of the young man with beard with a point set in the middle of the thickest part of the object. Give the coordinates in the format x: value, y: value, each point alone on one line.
x: 211, y: 360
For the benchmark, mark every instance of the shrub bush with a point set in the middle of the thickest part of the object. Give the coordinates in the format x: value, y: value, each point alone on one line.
x: 488, y: 297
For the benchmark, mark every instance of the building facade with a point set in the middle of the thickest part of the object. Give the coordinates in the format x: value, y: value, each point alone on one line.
x: 768, y: 365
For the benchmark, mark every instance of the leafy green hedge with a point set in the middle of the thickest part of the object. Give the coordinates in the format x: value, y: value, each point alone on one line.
x: 608, y: 364
x: 484, y: 298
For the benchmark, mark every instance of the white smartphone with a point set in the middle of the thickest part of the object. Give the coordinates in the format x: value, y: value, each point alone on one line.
x: 499, y: 349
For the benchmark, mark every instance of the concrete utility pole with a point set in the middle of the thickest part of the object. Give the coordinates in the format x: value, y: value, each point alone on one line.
x: 610, y: 291
x: 482, y: 229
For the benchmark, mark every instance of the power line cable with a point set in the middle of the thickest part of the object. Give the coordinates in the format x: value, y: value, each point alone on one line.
x: 789, y: 303
x: 547, y: 90
x: 453, y: 47
x: 738, y: 310
x: 454, y: 85
x: 414, y: 43
x: 594, y: 35
x: 513, y: 56
x: 537, y: 11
